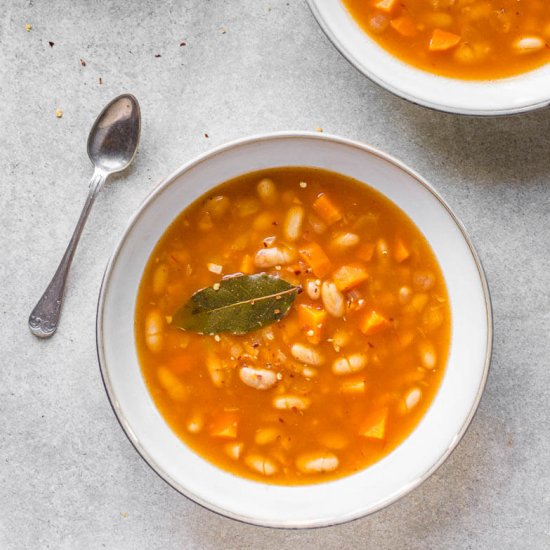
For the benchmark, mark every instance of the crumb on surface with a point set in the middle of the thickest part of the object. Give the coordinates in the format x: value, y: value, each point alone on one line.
x: 206, y: 136
x: 319, y: 129
x: 100, y: 80
x: 52, y: 44
x: 28, y: 27
x: 58, y: 113
x: 124, y: 514
x: 82, y: 62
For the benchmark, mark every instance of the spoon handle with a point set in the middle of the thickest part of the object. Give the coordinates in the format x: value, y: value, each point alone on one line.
x: 45, y: 316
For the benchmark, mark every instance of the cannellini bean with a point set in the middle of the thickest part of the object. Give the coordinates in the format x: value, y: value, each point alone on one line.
x: 261, y: 464
x: 382, y: 248
x: 313, y: 289
x: 333, y: 299
x: 259, y: 379
x: 529, y: 44
x: 267, y: 435
x: 352, y: 363
x: 205, y: 221
x: 423, y: 280
x: 344, y: 240
x: 218, y: 206
x: 233, y: 449
x: 154, y: 325
x: 412, y: 398
x: 293, y: 223
x: 219, y: 374
x: 405, y: 294
x: 316, y: 224
x: 267, y: 191
x: 172, y: 384
x: 427, y: 355
x: 353, y: 386
x: 286, y: 402
x: 307, y: 354
x: 160, y: 278
x: 247, y: 206
x: 270, y: 257
x: 195, y: 423
x: 419, y: 301
x: 316, y: 463
x: 433, y: 318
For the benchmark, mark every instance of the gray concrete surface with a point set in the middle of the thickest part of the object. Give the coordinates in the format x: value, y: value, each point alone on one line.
x: 68, y: 476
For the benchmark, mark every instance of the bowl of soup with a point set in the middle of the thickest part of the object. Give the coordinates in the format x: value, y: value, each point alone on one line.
x: 294, y: 330
x: 481, y: 57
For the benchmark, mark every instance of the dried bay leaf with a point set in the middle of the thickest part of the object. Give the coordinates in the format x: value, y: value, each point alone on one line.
x: 240, y: 304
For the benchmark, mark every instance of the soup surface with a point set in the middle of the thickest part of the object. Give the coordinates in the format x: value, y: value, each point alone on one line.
x: 469, y: 39
x: 338, y: 382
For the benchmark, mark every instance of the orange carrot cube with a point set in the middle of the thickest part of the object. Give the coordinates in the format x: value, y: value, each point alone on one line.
x: 373, y: 322
x: 316, y: 258
x: 443, y: 40
x: 366, y: 251
x: 225, y: 426
x: 386, y: 5
x: 374, y: 426
x: 312, y: 321
x: 350, y: 276
x: 401, y: 251
x: 404, y: 25
x: 326, y: 209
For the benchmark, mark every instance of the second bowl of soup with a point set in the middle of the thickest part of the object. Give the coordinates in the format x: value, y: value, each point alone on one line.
x: 294, y: 330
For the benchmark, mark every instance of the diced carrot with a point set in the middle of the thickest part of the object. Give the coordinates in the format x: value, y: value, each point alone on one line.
x: 327, y: 210
x: 225, y: 426
x: 373, y: 322
x: 443, y: 40
x: 316, y: 258
x: 349, y: 276
x: 386, y: 5
x: 404, y: 25
x: 247, y: 264
x: 366, y: 251
x: 374, y: 426
x: 401, y: 251
x: 312, y: 321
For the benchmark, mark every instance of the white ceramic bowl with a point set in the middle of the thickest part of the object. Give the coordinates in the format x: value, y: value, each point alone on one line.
x: 336, y: 501
x: 516, y: 94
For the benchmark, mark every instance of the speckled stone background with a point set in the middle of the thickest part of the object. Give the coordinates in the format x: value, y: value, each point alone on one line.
x: 69, y: 478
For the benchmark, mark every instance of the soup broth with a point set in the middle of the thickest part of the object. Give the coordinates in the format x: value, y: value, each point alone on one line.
x: 468, y: 39
x: 338, y: 382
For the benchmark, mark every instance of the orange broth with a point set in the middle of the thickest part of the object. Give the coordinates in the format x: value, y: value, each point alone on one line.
x: 342, y: 379
x: 467, y: 39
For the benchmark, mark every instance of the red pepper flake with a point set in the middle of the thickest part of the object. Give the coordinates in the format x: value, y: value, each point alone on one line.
x: 52, y: 44
x: 100, y: 80
x: 206, y: 136
x: 183, y: 44
x: 158, y: 55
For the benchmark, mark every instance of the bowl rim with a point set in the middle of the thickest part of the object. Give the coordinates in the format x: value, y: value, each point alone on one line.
x: 414, y: 98
x: 159, y: 188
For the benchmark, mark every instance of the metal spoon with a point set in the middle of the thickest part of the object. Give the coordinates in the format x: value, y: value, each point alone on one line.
x: 112, y: 145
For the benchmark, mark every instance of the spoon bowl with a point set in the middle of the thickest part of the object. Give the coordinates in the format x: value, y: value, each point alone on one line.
x: 114, y: 137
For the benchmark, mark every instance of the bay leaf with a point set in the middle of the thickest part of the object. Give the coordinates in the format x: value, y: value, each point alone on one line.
x: 240, y: 304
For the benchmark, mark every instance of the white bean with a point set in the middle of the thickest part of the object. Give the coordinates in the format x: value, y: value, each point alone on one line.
x: 218, y: 372
x: 160, y: 278
x: 345, y: 240
x: 270, y: 257
x: 261, y: 464
x: 267, y: 435
x: 195, y: 423
x: 428, y: 355
x: 287, y: 402
x: 412, y: 398
x: 172, y: 384
x: 267, y: 191
x: 316, y: 463
x: 529, y: 44
x: 307, y: 355
x: 313, y: 290
x: 352, y: 363
x: 259, y: 379
x: 293, y: 223
x: 154, y: 325
x: 333, y: 299
x: 233, y: 450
